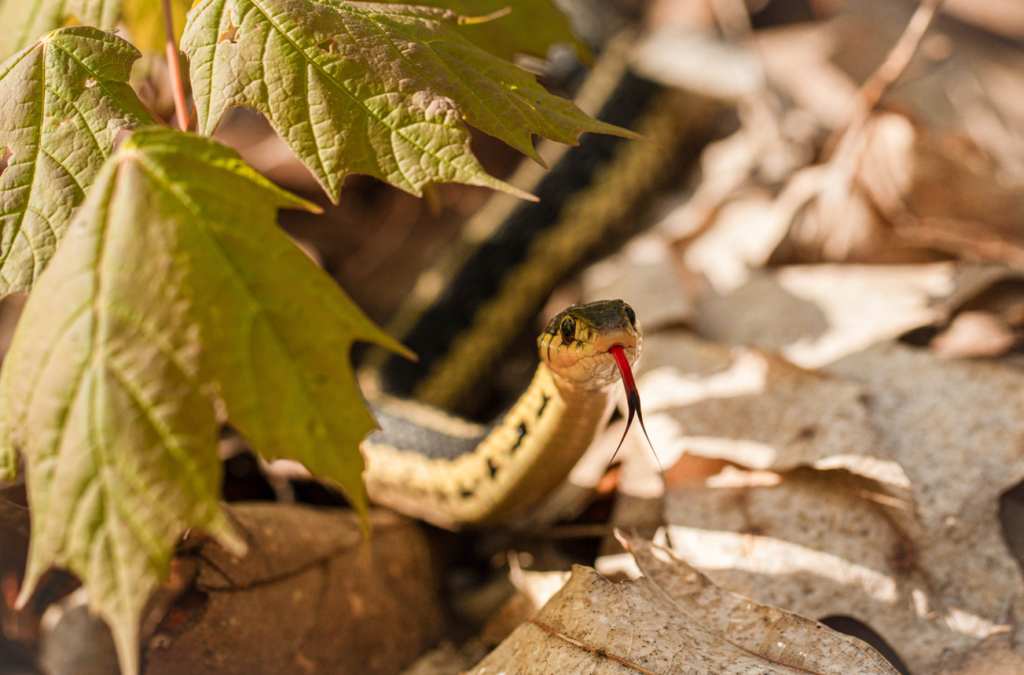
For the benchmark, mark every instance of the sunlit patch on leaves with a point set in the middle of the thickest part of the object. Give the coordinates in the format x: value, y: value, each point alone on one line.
x: 386, y: 98
x: 173, y: 296
x: 25, y: 21
x: 62, y: 103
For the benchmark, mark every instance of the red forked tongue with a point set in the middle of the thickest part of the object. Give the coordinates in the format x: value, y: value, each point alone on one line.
x: 632, y: 400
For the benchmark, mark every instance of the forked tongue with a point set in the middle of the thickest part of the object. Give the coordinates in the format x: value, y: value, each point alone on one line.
x: 632, y: 400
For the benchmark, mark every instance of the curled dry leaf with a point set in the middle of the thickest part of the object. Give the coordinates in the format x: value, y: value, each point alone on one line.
x: 641, y: 274
x: 672, y: 620
x: 896, y: 193
x: 309, y: 597
x: 755, y: 409
x: 816, y: 314
x: 933, y: 575
x: 974, y: 334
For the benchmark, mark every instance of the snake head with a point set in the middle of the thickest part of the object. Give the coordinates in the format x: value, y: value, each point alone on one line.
x: 576, y: 343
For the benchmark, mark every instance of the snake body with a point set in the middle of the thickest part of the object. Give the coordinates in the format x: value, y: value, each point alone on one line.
x: 493, y: 474
x: 465, y: 311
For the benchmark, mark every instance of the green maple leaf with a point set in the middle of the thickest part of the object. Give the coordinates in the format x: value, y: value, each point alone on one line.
x: 373, y: 89
x: 62, y: 103
x: 531, y: 26
x: 25, y: 21
x: 173, y: 298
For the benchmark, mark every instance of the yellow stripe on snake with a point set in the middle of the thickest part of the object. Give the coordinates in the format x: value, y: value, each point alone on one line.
x: 467, y: 476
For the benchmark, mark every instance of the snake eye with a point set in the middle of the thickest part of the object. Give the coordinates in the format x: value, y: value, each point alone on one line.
x: 568, y: 330
x: 631, y: 315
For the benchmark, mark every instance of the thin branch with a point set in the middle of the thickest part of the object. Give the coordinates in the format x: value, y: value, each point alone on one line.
x: 870, y: 93
x: 152, y: 112
x: 899, y: 58
x: 174, y: 68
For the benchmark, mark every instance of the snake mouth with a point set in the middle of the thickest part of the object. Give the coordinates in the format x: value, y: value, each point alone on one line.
x: 579, y: 344
x: 595, y: 366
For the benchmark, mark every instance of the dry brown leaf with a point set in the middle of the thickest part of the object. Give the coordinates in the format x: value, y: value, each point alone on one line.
x: 973, y: 334
x: 741, y: 237
x: 1004, y: 17
x: 816, y: 314
x: 797, y: 59
x: 643, y: 275
x: 672, y: 620
x: 893, y: 192
x: 698, y: 61
x: 932, y: 576
x: 756, y: 410
x: 309, y: 597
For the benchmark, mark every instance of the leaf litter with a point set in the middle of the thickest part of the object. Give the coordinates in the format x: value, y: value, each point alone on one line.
x: 874, y: 488
x: 926, y: 568
x: 325, y: 597
x: 673, y: 619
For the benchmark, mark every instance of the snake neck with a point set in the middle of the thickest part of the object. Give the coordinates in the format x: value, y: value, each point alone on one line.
x: 519, y: 461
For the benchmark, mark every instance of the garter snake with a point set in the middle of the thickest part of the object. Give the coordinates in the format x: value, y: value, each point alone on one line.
x: 492, y: 474
x: 465, y: 311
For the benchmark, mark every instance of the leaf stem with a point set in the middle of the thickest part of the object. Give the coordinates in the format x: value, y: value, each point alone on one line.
x: 899, y: 58
x: 174, y: 67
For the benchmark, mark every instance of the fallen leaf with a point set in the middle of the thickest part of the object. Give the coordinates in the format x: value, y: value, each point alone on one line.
x: 896, y: 193
x: 930, y: 573
x: 308, y: 597
x: 757, y: 410
x: 698, y: 61
x: 816, y: 314
x: 671, y: 620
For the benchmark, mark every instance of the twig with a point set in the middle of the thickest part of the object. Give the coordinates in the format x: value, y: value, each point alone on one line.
x: 870, y: 93
x: 899, y: 58
x: 174, y: 68
x: 152, y: 112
